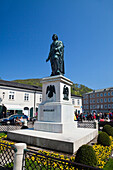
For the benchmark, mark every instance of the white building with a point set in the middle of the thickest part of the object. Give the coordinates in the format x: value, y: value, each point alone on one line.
x: 77, y: 103
x: 21, y: 98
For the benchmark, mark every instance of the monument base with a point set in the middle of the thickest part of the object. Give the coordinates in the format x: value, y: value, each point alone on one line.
x: 62, y: 142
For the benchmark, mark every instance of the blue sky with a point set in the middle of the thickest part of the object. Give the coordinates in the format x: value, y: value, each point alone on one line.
x: 84, y: 26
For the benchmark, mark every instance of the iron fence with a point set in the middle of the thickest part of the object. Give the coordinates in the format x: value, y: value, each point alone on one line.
x: 86, y: 125
x: 6, y: 156
x: 36, y: 161
x: 6, y: 128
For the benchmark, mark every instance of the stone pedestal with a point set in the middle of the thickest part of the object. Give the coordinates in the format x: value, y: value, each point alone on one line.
x: 55, y: 128
x: 56, y: 112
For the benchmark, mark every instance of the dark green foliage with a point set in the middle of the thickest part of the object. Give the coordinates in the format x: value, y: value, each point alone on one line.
x: 108, y: 129
x: 86, y: 155
x: 103, y: 139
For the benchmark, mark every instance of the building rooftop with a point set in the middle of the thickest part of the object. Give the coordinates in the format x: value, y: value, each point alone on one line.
x: 19, y: 85
x: 100, y: 90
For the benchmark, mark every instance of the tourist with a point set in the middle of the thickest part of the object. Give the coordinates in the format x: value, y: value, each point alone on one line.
x: 21, y: 121
x: 17, y: 121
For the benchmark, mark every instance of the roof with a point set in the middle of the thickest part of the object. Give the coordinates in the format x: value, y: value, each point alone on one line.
x: 19, y: 85
x: 100, y: 90
x: 73, y: 95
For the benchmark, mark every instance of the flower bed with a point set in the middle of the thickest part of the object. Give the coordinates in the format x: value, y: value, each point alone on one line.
x: 103, y: 153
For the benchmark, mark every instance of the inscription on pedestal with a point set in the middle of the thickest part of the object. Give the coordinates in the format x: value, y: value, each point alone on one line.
x: 48, y: 110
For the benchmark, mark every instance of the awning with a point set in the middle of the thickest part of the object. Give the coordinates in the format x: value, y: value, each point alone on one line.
x: 13, y: 107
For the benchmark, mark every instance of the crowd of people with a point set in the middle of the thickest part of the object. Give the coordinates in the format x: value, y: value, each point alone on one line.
x: 100, y: 116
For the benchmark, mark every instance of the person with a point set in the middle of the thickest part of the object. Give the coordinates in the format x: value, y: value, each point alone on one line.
x: 94, y: 116
x: 56, y: 56
x: 81, y: 116
x: 75, y: 118
x: 21, y: 121
x: 3, y: 114
x: 17, y: 121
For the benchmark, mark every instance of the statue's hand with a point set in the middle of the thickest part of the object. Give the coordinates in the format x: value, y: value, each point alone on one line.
x: 46, y: 60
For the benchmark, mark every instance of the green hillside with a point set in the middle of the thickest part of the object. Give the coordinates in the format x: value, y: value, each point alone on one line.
x: 77, y: 89
x: 34, y: 82
x: 80, y: 89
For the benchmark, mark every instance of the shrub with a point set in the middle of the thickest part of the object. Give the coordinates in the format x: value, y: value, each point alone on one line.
x: 86, y: 155
x: 108, y: 129
x: 103, y: 139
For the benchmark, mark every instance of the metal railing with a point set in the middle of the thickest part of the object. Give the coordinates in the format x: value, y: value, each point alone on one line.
x: 6, y: 156
x: 86, y: 125
x: 6, y: 128
x: 36, y: 161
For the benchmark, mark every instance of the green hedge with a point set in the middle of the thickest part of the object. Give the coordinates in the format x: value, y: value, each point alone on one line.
x: 103, y: 139
x: 86, y: 155
x: 108, y: 129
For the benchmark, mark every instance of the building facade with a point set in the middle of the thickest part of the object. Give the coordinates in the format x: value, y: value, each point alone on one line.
x: 98, y: 100
x: 16, y: 98
x: 19, y: 98
x: 77, y: 103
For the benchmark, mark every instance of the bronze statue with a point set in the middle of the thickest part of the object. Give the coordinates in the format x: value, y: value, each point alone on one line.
x: 56, y: 56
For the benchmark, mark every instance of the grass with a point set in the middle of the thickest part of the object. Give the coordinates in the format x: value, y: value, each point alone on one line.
x: 109, y: 165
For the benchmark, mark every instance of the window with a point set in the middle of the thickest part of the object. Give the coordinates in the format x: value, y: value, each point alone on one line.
x: 105, y: 94
x: 109, y: 106
x: 101, y: 106
x: 109, y: 99
x: 101, y: 100
x: 101, y: 94
x: 112, y: 93
x: 26, y: 97
x: 112, y: 99
x: 105, y: 100
x: 78, y: 102
x: 93, y: 106
x: 73, y: 101
x: 90, y: 95
x: 84, y: 102
x: 108, y: 93
x: 90, y: 106
x: 11, y: 95
x: 90, y: 101
x: 97, y: 106
x: 40, y: 98
x: 105, y: 106
x: 93, y: 95
x: 112, y: 106
x: 97, y: 100
x: 93, y: 100
x: 97, y: 94
x: 87, y: 106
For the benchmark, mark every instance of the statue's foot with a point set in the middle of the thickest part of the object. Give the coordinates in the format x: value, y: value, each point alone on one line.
x: 58, y: 73
x: 52, y: 74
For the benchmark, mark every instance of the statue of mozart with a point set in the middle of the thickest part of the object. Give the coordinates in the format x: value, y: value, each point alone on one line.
x: 56, y: 56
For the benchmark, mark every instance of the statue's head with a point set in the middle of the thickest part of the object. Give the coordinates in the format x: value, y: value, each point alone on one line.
x: 54, y: 37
